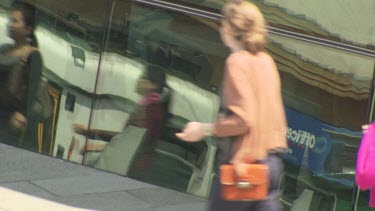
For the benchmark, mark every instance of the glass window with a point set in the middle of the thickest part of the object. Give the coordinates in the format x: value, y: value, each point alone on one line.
x: 160, y: 69
x: 116, y: 86
x: 69, y: 34
x: 348, y: 21
x: 327, y: 95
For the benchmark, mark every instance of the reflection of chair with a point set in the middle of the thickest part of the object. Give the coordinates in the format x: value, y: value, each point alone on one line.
x: 47, y: 128
x: 119, y: 153
x: 310, y: 200
x: 300, y: 192
x: 199, y: 157
x: 201, y: 178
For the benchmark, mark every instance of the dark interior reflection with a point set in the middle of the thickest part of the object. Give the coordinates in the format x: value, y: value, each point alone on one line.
x: 160, y: 69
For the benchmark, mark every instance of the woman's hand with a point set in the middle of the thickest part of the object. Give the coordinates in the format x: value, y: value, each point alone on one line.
x: 240, y: 169
x: 27, y: 51
x: 195, y: 131
x: 18, y: 121
x: 240, y: 160
x: 91, y: 147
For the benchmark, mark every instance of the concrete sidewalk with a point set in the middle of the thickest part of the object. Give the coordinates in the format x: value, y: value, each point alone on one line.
x: 48, y: 180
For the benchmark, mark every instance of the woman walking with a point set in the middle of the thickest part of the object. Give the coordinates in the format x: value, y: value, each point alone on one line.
x: 252, y: 126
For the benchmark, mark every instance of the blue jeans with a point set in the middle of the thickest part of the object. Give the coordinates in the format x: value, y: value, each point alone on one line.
x: 272, y: 202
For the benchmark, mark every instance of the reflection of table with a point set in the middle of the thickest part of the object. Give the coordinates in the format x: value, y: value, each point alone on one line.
x: 10, y: 200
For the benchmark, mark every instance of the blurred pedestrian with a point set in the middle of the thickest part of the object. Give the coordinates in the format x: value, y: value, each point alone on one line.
x: 252, y: 126
x: 20, y: 69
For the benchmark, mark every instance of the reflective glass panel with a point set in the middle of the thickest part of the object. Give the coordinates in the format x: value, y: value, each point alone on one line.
x: 160, y: 69
x: 118, y: 108
x: 349, y: 21
x: 326, y: 93
x: 61, y: 83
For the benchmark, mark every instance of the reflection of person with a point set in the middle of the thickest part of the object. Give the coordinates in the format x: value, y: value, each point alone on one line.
x: 254, y: 123
x: 149, y: 114
x: 20, y: 69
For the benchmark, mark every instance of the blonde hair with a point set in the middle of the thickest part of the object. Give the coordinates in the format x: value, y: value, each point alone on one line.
x: 246, y: 24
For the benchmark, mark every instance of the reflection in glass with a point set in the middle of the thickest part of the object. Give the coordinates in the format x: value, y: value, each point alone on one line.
x: 69, y: 44
x: 21, y: 106
x: 188, y: 51
x: 311, y: 17
x: 326, y: 93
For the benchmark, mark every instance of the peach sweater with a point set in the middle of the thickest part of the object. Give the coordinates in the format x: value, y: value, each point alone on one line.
x: 252, y: 92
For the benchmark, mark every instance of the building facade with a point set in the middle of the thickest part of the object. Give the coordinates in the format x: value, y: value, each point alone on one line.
x: 96, y: 51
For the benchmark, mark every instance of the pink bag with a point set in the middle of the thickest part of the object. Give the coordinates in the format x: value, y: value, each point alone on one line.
x: 365, y: 174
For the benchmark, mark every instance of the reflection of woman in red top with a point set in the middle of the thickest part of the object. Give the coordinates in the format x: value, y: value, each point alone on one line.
x: 150, y: 111
x: 149, y: 114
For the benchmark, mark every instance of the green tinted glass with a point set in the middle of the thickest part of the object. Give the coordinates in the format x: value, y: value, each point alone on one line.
x: 349, y: 21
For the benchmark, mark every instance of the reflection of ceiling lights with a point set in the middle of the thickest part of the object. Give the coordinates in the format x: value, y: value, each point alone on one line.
x: 343, y: 85
x: 338, y: 62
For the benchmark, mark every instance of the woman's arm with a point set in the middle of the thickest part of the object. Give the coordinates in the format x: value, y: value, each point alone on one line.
x: 239, y: 96
x: 104, y: 135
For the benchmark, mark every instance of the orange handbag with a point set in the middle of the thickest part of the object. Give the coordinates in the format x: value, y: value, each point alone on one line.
x: 250, y: 187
